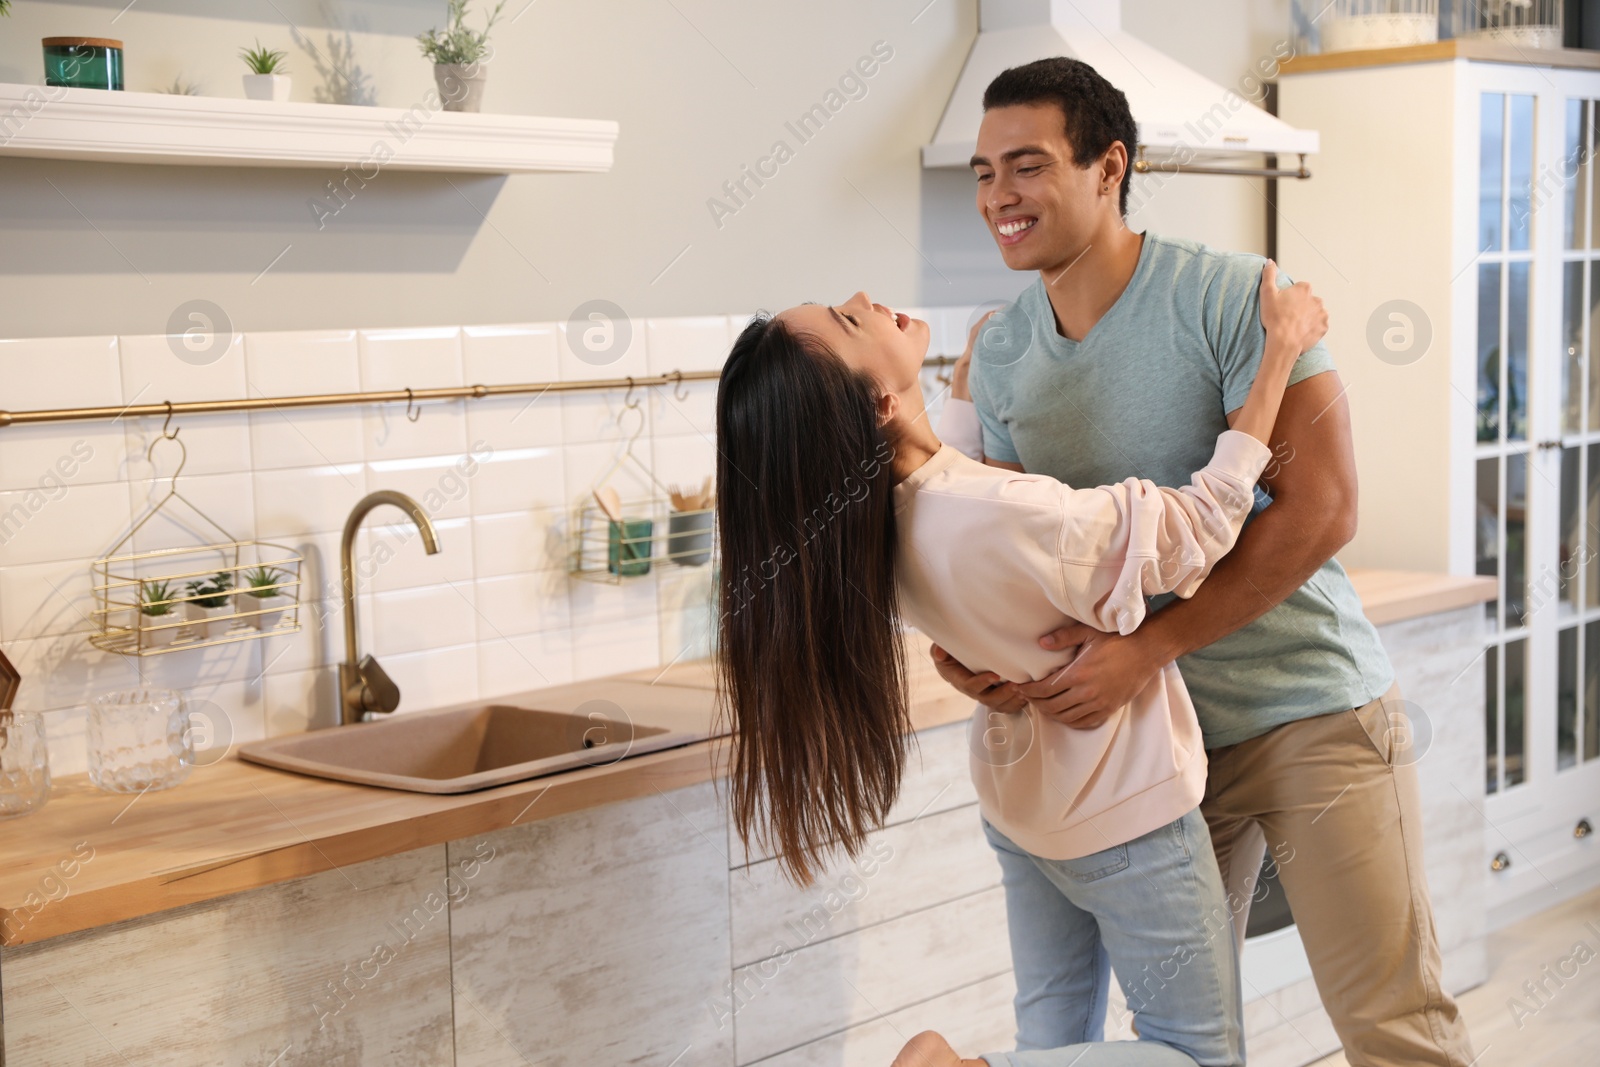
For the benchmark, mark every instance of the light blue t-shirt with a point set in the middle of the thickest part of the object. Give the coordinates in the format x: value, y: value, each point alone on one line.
x: 1145, y: 395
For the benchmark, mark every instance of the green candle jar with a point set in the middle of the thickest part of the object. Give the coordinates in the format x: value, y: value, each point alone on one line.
x: 83, y: 62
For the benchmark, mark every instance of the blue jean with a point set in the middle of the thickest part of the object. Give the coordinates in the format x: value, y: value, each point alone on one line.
x: 1155, y: 909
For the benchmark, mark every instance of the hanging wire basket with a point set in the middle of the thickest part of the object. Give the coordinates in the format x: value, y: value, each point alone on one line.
x: 651, y: 533
x: 613, y: 541
x: 147, y: 603
x: 169, y: 599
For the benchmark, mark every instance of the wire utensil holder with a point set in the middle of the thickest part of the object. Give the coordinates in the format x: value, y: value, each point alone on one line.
x: 170, y: 599
x: 625, y: 539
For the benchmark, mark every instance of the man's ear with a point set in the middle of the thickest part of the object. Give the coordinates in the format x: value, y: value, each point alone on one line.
x: 1114, y: 164
x: 888, y: 408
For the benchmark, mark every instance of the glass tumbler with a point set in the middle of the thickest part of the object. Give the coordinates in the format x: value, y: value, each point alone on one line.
x: 24, y: 764
x: 139, y: 739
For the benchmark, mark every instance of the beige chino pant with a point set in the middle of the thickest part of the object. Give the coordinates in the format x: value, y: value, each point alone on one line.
x: 1336, y: 798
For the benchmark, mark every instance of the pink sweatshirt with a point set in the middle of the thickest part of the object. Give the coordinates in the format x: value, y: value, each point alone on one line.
x: 990, y: 560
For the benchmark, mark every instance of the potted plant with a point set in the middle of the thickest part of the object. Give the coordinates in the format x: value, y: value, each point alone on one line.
x: 458, y: 55
x: 265, y: 592
x: 268, y: 79
x: 155, y: 602
x: 209, y: 600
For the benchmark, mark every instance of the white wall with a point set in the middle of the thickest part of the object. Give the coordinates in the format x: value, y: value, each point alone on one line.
x: 700, y: 87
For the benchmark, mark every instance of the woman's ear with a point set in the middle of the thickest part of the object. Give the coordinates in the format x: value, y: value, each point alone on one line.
x: 888, y: 407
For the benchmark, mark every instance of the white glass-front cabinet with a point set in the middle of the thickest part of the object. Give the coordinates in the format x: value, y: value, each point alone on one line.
x: 1453, y: 222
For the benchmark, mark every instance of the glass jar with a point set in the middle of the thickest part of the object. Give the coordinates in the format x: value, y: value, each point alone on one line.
x: 83, y: 62
x: 24, y: 764
x: 139, y: 739
x: 1357, y: 25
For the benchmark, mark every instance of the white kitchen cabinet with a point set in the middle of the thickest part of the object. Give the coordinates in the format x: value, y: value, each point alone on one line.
x: 597, y: 937
x: 1452, y: 227
x: 350, y: 966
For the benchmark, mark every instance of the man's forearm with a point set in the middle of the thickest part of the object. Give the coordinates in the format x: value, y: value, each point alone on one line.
x: 1275, y: 555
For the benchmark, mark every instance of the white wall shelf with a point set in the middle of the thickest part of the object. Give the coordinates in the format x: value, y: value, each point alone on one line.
x: 56, y: 123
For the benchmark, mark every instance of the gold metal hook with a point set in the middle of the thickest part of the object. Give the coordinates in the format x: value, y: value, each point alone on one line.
x: 173, y: 436
x: 943, y: 374
x: 183, y: 456
x: 413, y: 413
x: 629, y: 400
x: 677, y: 386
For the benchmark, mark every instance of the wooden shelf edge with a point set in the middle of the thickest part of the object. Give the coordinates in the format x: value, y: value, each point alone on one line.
x: 1440, y: 51
x: 54, y: 123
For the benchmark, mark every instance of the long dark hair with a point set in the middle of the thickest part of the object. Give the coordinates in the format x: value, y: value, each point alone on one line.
x: 811, y: 662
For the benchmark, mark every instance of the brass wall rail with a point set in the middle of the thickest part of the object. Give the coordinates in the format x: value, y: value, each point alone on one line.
x: 277, y: 403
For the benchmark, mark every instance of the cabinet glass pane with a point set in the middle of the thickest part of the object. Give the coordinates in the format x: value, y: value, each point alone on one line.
x: 1591, y: 558
x: 1516, y: 547
x: 1572, y: 305
x: 1570, y: 550
x: 1488, y: 522
x: 1591, y: 690
x: 1489, y: 352
x: 1593, y: 304
x: 1516, y: 377
x: 1521, y: 178
x: 1516, y: 723
x: 1491, y: 717
x: 1567, y: 698
x: 1593, y: 173
x: 1491, y: 153
x: 1574, y: 169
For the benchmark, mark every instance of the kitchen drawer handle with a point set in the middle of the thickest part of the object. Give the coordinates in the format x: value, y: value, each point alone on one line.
x: 1583, y: 829
x: 1500, y: 862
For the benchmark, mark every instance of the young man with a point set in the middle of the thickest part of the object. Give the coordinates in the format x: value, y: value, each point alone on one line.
x: 1125, y: 359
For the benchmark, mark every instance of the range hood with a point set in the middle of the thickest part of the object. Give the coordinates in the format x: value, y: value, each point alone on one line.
x: 1181, y: 114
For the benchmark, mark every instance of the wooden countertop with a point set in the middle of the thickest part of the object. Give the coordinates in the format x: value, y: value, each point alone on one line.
x: 235, y: 826
x: 1395, y: 596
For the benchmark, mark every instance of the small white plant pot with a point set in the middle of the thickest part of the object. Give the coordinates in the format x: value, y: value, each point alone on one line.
x: 162, y: 637
x: 271, y: 608
x: 266, y: 87
x: 461, y: 85
x: 205, y: 622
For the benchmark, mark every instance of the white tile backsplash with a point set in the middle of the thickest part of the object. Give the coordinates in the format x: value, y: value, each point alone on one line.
x: 61, y: 372
x: 291, y: 503
x: 196, y: 366
x: 62, y: 522
x: 510, y: 355
x: 495, y: 612
x: 527, y: 661
x: 215, y: 444
x: 601, y: 347
x: 416, y: 359
x: 299, y: 363
x: 515, y: 604
x: 305, y: 437
x: 393, y: 556
x: 688, y: 344
x: 516, y: 541
x: 519, y: 480
x: 416, y: 620
x: 74, y: 453
x: 209, y: 508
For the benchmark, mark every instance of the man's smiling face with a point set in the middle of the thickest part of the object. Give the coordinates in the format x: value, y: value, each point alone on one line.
x: 1040, y: 206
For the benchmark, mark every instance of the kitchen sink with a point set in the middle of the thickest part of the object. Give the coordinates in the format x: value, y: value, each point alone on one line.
x: 475, y: 746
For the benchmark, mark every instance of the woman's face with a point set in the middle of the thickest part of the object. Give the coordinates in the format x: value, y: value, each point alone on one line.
x: 869, y: 337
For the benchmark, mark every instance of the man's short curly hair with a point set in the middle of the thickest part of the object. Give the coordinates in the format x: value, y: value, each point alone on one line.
x: 1096, y: 111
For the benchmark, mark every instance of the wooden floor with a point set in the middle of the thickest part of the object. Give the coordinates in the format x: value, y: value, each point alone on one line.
x: 1562, y: 1027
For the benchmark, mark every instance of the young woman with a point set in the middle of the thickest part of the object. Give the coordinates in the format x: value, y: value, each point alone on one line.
x: 841, y: 513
